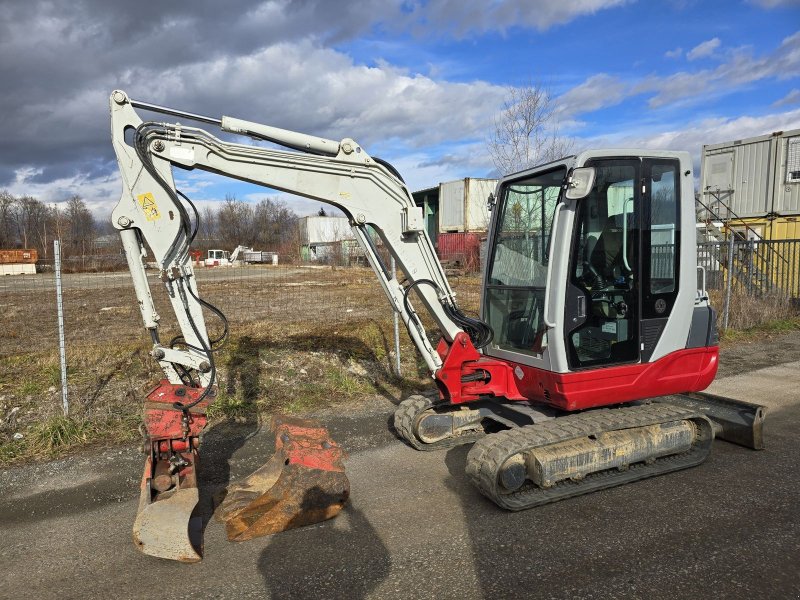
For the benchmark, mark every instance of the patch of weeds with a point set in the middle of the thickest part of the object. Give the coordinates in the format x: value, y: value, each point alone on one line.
x: 30, y: 388
x: 59, y: 433
x: 307, y: 397
x: 230, y: 406
x: 340, y: 381
x: 775, y: 326
x: 12, y: 450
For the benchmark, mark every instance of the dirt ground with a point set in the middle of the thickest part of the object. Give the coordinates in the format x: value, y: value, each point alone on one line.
x: 301, y: 336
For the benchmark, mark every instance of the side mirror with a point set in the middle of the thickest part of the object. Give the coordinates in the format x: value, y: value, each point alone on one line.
x: 580, y: 183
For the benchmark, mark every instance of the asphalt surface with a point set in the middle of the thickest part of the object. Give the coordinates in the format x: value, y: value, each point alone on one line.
x: 415, y: 527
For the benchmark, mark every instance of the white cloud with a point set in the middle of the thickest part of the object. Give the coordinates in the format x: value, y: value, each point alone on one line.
x: 676, y: 53
x: 598, y: 91
x: 100, y: 193
x: 693, y: 135
x: 703, y: 50
x: 792, y: 97
x: 464, y: 16
x: 775, y: 3
x: 304, y: 87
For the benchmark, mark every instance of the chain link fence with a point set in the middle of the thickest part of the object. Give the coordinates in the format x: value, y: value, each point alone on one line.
x: 308, y: 305
x: 330, y: 310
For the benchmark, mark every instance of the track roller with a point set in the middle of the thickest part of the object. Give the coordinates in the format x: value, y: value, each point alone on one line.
x: 573, y: 455
x: 427, y: 425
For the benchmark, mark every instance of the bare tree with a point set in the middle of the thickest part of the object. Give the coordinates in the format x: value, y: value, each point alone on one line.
x: 7, y: 220
x: 526, y: 131
x: 274, y: 223
x: 31, y: 221
x: 207, y: 233
x: 235, y: 222
x: 80, y: 226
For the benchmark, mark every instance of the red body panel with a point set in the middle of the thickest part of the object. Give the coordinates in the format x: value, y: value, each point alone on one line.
x: 687, y: 370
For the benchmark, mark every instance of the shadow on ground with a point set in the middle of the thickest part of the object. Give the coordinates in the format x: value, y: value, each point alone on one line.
x: 340, y: 558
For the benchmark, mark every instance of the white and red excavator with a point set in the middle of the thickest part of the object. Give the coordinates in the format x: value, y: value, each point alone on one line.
x: 583, y: 371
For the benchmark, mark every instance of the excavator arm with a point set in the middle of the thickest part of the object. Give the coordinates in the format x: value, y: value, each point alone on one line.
x: 153, y: 212
x: 342, y: 174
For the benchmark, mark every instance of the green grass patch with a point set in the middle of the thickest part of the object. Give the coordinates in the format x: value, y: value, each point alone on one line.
x: 774, y: 327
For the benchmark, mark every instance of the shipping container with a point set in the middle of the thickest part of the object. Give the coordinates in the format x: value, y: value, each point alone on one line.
x: 461, y: 248
x: 257, y: 256
x: 324, y: 230
x: 463, y: 205
x: 18, y: 257
x: 756, y: 177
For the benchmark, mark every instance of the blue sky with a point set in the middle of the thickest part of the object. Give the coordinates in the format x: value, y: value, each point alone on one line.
x: 417, y: 83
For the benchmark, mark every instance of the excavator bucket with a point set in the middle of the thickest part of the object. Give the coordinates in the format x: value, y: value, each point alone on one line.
x: 303, y: 483
x: 164, y: 528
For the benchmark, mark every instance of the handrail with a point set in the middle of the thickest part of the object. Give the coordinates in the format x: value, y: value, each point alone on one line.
x: 548, y: 279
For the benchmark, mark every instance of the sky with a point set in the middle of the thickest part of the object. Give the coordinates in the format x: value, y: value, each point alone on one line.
x: 417, y: 83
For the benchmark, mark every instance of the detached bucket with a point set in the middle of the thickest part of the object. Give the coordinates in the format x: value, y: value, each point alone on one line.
x: 303, y: 483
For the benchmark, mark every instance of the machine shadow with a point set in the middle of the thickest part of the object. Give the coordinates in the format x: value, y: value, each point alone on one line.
x: 478, y: 514
x: 340, y: 558
x: 223, y: 440
x: 379, y: 367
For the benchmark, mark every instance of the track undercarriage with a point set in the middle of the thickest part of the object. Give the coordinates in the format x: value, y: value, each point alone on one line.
x: 525, y: 455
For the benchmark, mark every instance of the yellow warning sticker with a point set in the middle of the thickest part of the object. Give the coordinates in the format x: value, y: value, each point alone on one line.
x: 149, y: 206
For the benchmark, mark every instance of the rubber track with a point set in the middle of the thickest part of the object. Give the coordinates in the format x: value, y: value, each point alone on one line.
x: 405, y: 421
x: 486, y: 457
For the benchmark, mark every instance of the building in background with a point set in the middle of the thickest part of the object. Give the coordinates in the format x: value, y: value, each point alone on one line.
x: 753, y: 185
x: 18, y: 262
x: 749, y: 198
x: 329, y: 240
x: 457, y: 218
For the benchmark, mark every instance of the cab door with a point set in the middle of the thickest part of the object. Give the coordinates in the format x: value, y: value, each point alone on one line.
x: 603, y: 295
x: 624, y: 264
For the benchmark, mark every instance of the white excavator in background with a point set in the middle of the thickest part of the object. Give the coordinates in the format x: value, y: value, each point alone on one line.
x: 590, y: 310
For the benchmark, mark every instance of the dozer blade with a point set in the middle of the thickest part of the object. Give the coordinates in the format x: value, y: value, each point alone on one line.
x: 303, y: 483
x: 735, y: 421
x: 163, y: 527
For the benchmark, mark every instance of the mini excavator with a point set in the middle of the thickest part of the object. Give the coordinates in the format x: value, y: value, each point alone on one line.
x: 583, y: 372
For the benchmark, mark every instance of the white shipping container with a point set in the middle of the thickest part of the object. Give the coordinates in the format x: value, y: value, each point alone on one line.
x: 463, y: 205
x: 325, y: 230
x: 754, y: 176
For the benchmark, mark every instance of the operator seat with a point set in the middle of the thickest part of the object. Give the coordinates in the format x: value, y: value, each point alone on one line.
x: 606, y: 258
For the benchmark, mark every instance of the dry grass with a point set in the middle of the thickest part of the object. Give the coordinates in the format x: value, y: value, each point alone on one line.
x: 266, y: 367
x: 748, y: 312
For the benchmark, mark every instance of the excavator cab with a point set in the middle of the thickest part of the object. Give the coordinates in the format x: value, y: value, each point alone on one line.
x: 605, y: 280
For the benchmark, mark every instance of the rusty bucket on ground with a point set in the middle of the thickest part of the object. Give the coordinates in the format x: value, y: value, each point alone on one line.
x: 303, y: 483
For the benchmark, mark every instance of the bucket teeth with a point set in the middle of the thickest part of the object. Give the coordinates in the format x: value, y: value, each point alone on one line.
x: 303, y: 483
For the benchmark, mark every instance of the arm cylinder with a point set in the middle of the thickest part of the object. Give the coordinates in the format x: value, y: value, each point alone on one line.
x: 133, y: 254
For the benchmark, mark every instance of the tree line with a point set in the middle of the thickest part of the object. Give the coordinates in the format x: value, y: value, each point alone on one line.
x: 26, y: 222
x: 268, y: 225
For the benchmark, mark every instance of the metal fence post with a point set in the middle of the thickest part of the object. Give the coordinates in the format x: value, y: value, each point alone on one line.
x: 728, y: 283
x: 61, y: 345
x: 393, y: 267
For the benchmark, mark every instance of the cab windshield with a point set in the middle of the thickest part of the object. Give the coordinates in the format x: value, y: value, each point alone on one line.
x: 516, y: 289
